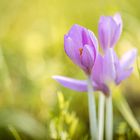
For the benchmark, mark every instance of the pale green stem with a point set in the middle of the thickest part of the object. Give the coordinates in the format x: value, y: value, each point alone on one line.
x: 109, y: 110
x: 101, y: 115
x: 109, y: 118
x: 92, y: 112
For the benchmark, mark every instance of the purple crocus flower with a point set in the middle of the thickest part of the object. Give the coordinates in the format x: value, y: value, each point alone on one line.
x: 81, y: 46
x: 104, y: 72
x: 109, y: 30
x: 112, y: 72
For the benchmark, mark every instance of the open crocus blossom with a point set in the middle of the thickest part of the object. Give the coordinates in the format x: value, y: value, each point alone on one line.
x: 104, y: 72
x: 115, y: 71
x: 109, y: 30
x: 81, y: 46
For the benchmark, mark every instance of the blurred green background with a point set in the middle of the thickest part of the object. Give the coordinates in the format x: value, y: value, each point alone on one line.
x: 32, y: 104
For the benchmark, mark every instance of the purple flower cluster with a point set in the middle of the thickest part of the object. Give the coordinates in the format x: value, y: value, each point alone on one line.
x: 81, y: 46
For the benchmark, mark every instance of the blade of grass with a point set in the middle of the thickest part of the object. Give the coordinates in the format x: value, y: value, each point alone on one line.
x: 126, y: 112
x: 138, y: 68
x: 14, y: 132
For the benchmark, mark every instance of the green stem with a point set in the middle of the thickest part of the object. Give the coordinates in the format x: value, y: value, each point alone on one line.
x: 109, y: 118
x: 109, y: 110
x: 92, y: 112
x: 101, y: 115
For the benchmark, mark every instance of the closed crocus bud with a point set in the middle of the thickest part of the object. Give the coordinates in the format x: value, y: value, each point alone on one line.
x: 109, y: 30
x: 81, y: 46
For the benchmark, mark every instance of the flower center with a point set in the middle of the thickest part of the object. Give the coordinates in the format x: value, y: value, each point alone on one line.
x: 80, y: 51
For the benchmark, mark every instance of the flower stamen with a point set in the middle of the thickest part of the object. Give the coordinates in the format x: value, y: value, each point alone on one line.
x: 80, y: 51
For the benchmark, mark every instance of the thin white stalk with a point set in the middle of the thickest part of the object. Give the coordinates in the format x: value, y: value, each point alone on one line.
x: 92, y: 112
x: 101, y: 115
x: 109, y: 110
x: 109, y: 118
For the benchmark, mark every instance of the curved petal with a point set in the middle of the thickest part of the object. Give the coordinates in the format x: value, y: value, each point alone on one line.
x: 128, y: 59
x: 117, y: 32
x: 94, y: 40
x: 71, y: 51
x: 106, y: 29
x: 109, y: 65
x: 118, y: 20
x: 76, y: 35
x: 109, y: 29
x: 104, y: 68
x: 69, y: 47
x: 123, y: 75
x: 97, y: 71
x: 115, y: 35
x: 86, y: 38
x: 78, y: 85
x: 124, y: 68
x: 88, y: 58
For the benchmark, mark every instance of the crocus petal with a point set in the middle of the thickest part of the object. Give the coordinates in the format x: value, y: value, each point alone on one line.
x: 128, y: 59
x: 88, y: 58
x: 78, y: 85
x: 118, y: 20
x: 109, y: 65
x: 104, y: 68
x: 69, y: 48
x: 76, y: 35
x: 98, y: 75
x: 71, y: 51
x: 107, y: 27
x: 123, y: 66
x: 86, y: 38
x: 115, y: 36
x: 97, y: 71
x: 123, y: 75
x: 81, y: 36
x: 94, y: 40
x: 117, y: 32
